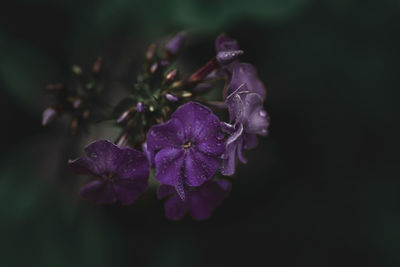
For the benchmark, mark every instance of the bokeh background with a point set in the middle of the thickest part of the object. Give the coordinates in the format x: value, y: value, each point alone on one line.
x: 321, y: 190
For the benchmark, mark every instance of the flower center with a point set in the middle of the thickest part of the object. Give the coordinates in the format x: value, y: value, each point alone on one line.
x: 187, y: 145
x: 109, y: 175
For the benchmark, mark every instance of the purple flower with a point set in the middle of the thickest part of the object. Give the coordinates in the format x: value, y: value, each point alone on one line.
x: 122, y: 173
x: 200, y: 201
x: 187, y: 148
x: 248, y: 119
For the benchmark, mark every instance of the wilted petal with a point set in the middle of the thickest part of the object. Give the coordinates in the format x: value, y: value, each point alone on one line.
x: 168, y: 165
x: 99, y: 191
x: 254, y: 116
x: 229, y: 159
x: 250, y: 141
x: 128, y: 190
x: 175, y: 208
x: 169, y: 134
x: 246, y: 73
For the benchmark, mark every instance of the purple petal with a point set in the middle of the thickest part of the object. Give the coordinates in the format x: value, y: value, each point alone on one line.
x: 128, y: 190
x: 226, y: 57
x: 169, y: 134
x: 204, y: 200
x: 168, y: 165
x: 104, y: 154
x: 164, y: 191
x: 194, y: 118
x: 224, y: 43
x: 198, y: 167
x: 180, y: 188
x: 175, y: 208
x: 83, y: 166
x: 174, y: 45
x: 246, y: 73
x: 99, y: 191
x: 132, y: 164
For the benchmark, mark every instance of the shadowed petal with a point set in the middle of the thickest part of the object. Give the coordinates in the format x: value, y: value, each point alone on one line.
x: 250, y: 141
x: 132, y: 164
x: 168, y: 165
x: 99, y: 191
x: 175, y: 208
x: 104, y: 154
x: 169, y: 134
x: 164, y: 191
x: 206, y: 198
x: 83, y: 166
x: 199, y: 167
x: 128, y: 190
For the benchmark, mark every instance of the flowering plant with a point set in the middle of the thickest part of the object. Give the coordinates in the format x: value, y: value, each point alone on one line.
x: 169, y: 124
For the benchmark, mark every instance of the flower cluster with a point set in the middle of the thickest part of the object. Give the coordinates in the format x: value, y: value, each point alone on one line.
x: 169, y: 125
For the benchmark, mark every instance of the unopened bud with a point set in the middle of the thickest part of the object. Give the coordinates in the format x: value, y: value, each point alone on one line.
x: 174, y: 45
x: 171, y: 75
x: 86, y: 114
x: 140, y: 107
x: 97, y: 65
x: 77, y: 103
x: 124, y: 116
x: 74, y: 126
x: 171, y: 97
x: 77, y: 70
x: 154, y: 67
x: 151, y: 52
x: 186, y: 94
x: 49, y: 114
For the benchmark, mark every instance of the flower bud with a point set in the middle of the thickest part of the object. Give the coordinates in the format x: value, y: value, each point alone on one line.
x: 154, y: 67
x: 171, y: 75
x: 174, y: 45
x: 77, y: 70
x: 97, y: 65
x: 171, y: 97
x: 49, y: 114
x: 140, y: 107
x: 124, y: 116
x: 151, y: 52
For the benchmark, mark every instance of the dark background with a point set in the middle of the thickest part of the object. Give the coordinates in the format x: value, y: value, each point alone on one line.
x: 320, y: 190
